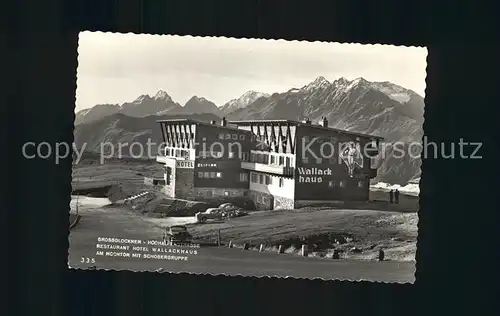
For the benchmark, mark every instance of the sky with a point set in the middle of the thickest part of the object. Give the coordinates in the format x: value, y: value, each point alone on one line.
x: 116, y: 68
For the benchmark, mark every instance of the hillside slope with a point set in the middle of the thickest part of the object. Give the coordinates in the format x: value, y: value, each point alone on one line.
x: 121, y: 129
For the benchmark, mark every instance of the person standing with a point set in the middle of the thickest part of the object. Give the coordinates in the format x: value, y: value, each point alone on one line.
x: 391, y: 196
x: 396, y: 196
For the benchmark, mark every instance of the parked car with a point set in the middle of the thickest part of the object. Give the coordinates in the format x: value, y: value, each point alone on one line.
x: 211, y: 213
x: 229, y: 210
x: 177, y: 234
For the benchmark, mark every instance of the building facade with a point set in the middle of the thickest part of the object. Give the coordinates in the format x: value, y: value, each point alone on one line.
x: 276, y: 163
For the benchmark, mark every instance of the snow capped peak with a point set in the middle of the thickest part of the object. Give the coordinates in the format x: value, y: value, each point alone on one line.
x: 318, y: 83
x: 393, y: 91
x: 141, y: 98
x: 360, y: 80
x: 162, y: 95
x: 244, y: 100
x: 199, y: 99
x: 342, y: 81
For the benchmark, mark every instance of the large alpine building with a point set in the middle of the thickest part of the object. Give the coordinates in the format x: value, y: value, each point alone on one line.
x: 276, y: 163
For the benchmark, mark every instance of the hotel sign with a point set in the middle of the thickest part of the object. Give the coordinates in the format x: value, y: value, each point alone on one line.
x: 184, y: 164
x: 313, y: 175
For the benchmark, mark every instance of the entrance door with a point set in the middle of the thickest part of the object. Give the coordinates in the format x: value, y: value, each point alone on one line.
x: 271, y: 202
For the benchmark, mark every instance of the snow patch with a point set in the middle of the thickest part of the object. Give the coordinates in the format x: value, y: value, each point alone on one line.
x: 410, y: 189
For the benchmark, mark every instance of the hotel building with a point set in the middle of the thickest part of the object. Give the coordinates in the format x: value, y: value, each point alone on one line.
x: 276, y: 163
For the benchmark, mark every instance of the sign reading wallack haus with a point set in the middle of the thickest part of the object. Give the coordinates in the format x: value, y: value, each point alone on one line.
x: 313, y: 175
x: 184, y: 164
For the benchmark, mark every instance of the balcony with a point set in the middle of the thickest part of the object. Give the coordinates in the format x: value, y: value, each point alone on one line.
x: 162, y: 159
x: 260, y: 167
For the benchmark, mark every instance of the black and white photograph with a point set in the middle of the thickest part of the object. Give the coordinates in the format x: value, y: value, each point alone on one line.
x: 247, y: 157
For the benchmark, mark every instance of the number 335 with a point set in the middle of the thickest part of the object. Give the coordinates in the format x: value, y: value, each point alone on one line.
x: 87, y: 260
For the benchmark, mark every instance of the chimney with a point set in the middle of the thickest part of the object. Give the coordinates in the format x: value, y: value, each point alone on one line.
x: 212, y: 122
x: 324, y: 123
x: 223, y: 122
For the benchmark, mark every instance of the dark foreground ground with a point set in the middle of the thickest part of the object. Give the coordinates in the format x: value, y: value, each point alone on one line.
x: 116, y: 222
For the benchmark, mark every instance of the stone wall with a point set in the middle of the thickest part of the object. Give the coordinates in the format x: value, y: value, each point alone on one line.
x: 266, y: 201
x: 282, y: 203
x: 263, y: 201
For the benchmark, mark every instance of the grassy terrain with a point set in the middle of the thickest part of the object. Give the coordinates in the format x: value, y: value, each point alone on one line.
x: 366, y: 230
x: 122, y: 178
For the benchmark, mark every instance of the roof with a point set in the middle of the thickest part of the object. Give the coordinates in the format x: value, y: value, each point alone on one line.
x: 297, y: 123
x: 190, y: 121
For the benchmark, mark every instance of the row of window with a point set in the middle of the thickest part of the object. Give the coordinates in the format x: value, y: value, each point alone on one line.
x: 243, y: 177
x: 275, y: 159
x: 264, y: 179
x: 219, y: 154
x: 230, y: 136
x: 209, y: 175
x: 342, y: 184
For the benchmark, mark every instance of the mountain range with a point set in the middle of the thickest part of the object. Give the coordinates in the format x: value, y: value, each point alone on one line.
x: 380, y: 108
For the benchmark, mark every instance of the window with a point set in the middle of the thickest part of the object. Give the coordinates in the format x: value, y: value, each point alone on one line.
x: 281, y: 182
x: 235, y: 136
x: 361, y: 184
x: 200, y: 193
x: 168, y: 176
x: 221, y: 136
x: 244, y: 156
x: 331, y: 184
x: 243, y: 177
x: 232, y: 154
x: 261, y: 179
x: 268, y: 180
x: 218, y: 175
x: 242, y: 137
x: 319, y: 160
x: 226, y: 193
x: 273, y: 159
x: 228, y: 136
x: 264, y: 199
x: 212, y: 175
x: 342, y: 184
x: 282, y: 160
x: 253, y: 177
x: 200, y: 174
x: 305, y: 160
x: 206, y: 175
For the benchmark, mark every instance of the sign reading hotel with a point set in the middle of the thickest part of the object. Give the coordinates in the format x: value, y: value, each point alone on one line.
x: 184, y: 164
x: 313, y: 175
